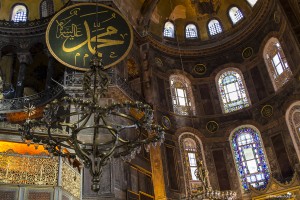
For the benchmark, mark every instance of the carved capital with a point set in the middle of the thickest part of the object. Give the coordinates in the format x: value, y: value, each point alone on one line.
x: 24, y: 57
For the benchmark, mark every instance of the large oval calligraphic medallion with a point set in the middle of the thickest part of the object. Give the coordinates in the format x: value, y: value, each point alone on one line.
x: 77, y: 32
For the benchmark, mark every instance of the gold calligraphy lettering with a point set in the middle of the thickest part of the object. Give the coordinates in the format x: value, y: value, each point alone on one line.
x: 110, y: 30
x: 84, y: 57
x: 113, y: 55
x: 95, y: 13
x: 77, y: 54
x: 67, y: 31
x: 123, y: 35
x: 113, y: 16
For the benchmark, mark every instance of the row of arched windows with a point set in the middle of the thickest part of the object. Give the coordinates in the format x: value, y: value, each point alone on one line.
x: 251, y: 162
x: 214, y: 26
x: 248, y: 151
x: 20, y: 11
x: 232, y: 90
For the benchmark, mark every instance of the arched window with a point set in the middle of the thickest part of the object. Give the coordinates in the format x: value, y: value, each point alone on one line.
x: 292, y: 118
x: 182, y: 96
x: 250, y: 157
x: 192, y: 155
x: 276, y: 62
x: 232, y: 91
x: 191, y: 31
x: 252, y: 2
x: 46, y: 8
x: 169, y: 30
x: 19, y: 13
x: 214, y: 27
x: 235, y: 15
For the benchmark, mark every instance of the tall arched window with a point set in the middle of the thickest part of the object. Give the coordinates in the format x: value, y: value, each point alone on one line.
x: 252, y: 2
x: 292, y: 118
x: 235, y: 15
x: 250, y: 159
x: 191, y: 31
x: 276, y: 62
x: 214, y: 27
x: 182, y: 96
x: 19, y: 13
x: 192, y: 154
x: 46, y: 8
x: 232, y: 91
x: 169, y: 30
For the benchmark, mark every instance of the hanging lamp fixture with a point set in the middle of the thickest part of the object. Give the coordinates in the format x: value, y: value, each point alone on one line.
x: 93, y: 132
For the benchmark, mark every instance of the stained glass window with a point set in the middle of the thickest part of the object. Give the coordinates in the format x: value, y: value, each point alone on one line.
x: 214, y: 27
x: 169, y: 30
x: 192, y: 153
x: 19, y: 13
x: 292, y: 118
x: 182, y: 96
x: 276, y: 62
x: 46, y: 8
x: 235, y: 15
x: 191, y: 31
x: 232, y: 91
x: 250, y: 158
x: 252, y: 2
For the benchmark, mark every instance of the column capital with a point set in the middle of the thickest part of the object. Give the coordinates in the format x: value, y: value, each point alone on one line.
x: 24, y: 57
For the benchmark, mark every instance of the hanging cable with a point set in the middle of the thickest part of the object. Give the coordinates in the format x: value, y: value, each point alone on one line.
x: 176, y: 37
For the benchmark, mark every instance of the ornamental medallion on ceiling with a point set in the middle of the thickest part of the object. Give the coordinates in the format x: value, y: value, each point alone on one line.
x: 206, y: 7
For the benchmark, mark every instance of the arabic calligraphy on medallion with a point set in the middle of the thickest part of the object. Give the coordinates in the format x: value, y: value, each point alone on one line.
x: 78, y: 32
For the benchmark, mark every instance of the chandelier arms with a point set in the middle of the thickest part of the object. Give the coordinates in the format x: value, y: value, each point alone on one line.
x: 81, y: 153
x: 72, y: 125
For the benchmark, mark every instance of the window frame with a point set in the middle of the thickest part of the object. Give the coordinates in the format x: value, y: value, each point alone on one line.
x: 189, y: 108
x: 196, y: 29
x: 272, y: 48
x: 13, y: 12
x: 49, y: 8
x: 251, y: 4
x: 294, y: 126
x: 221, y: 26
x: 231, y: 20
x: 199, y: 153
x: 164, y: 28
x: 263, y: 157
x: 242, y: 80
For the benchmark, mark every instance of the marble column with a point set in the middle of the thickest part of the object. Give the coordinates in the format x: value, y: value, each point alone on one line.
x: 50, y: 70
x: 158, y: 179
x: 25, y: 59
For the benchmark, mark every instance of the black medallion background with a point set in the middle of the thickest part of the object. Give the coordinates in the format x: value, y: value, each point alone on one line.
x: 73, y: 32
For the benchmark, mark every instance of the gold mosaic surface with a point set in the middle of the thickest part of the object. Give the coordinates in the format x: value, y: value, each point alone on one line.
x: 31, y: 170
x: 71, y: 180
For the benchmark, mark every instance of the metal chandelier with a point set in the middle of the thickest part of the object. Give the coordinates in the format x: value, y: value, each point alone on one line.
x: 94, y: 133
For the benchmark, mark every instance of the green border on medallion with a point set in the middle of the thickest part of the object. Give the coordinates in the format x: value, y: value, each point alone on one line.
x: 200, y: 69
x: 212, y: 126
x: 166, y: 123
